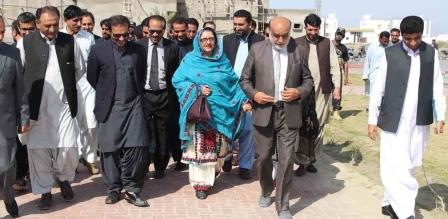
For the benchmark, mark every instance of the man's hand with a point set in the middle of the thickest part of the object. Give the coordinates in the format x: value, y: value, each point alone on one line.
x: 247, y: 107
x: 290, y: 94
x: 439, y: 127
x: 262, y: 98
x: 337, y: 93
x: 373, y: 132
x: 23, y: 129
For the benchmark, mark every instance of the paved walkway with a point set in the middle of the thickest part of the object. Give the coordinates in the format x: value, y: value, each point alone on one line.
x: 334, y: 192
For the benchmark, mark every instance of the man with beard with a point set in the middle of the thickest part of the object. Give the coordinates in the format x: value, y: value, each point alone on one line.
x: 394, y: 36
x: 342, y: 52
x: 236, y: 48
x: 323, y: 63
x: 87, y: 140
x: 105, y: 30
x: 116, y: 69
x: 276, y: 87
x: 179, y: 34
x: 371, y: 63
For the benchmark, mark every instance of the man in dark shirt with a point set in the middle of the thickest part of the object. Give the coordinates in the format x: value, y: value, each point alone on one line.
x: 342, y: 52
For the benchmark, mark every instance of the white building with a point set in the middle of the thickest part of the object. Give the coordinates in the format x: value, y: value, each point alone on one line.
x: 330, y: 25
x: 369, y: 29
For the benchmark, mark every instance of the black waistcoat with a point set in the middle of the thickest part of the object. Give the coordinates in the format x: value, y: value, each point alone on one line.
x: 398, y: 69
x: 37, y: 53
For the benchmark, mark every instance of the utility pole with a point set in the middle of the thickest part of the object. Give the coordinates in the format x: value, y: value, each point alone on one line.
x: 317, y: 6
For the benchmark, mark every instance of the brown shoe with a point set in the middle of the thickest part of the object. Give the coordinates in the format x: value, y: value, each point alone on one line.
x: 19, y: 185
x: 90, y: 166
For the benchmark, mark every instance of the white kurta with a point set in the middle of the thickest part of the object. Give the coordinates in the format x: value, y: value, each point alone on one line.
x: 54, y: 128
x: 402, y: 152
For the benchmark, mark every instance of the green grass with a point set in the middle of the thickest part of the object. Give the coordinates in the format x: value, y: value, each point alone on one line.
x: 347, y: 141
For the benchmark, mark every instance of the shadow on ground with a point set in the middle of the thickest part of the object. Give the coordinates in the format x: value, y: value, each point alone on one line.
x: 318, y: 185
x: 427, y: 200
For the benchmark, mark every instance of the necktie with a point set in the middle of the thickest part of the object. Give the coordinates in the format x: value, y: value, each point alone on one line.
x: 277, y: 72
x: 154, y: 72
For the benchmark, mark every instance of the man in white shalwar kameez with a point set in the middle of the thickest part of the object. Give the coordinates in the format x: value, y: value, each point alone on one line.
x: 409, y: 88
x: 53, y: 64
x: 87, y: 139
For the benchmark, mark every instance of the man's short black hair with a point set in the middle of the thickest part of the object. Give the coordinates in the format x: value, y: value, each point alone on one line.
x: 72, y: 11
x: 86, y: 13
x: 395, y: 30
x: 179, y: 20
x: 15, y: 26
x: 208, y: 22
x: 313, y: 20
x: 26, y: 17
x: 144, y: 22
x: 243, y: 13
x: 412, y: 24
x: 119, y: 20
x: 157, y: 18
x: 193, y: 22
x: 47, y: 9
x: 105, y: 22
x: 384, y: 34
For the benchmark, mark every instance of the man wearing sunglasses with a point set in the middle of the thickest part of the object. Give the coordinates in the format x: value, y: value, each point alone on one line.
x: 159, y: 97
x: 116, y: 69
x: 87, y: 142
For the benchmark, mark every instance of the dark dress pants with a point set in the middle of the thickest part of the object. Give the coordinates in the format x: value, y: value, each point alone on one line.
x: 125, y: 168
x: 264, y: 148
x: 157, y: 109
x: 173, y: 141
x: 22, y: 160
x: 6, y: 180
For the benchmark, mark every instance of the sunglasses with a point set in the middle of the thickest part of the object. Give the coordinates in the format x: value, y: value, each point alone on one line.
x: 118, y: 35
x: 155, y: 31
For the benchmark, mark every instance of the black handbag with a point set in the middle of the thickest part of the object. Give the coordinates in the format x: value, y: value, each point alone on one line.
x: 199, y: 110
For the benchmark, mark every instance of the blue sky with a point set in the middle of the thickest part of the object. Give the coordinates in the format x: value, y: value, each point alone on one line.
x: 349, y: 12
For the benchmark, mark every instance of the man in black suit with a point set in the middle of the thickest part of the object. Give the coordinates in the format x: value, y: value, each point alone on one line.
x: 179, y: 27
x: 13, y: 109
x: 236, y: 48
x: 116, y: 69
x: 160, y: 100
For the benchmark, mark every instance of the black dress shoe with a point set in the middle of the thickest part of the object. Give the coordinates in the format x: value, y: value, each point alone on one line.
x: 389, y: 211
x: 45, y: 201
x: 66, y: 190
x: 311, y: 168
x: 201, y: 194
x: 244, y: 174
x: 159, y: 174
x: 300, y: 171
x: 134, y: 199
x: 12, y: 208
x: 180, y: 166
x: 112, y: 198
x: 227, y: 166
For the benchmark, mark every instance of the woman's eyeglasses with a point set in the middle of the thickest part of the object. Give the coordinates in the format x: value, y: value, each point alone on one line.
x: 211, y: 39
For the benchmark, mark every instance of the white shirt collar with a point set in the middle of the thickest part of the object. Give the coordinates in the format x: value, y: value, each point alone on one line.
x: 410, y: 51
x: 160, y: 43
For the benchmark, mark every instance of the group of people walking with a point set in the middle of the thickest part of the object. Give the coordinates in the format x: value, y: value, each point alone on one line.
x: 137, y: 100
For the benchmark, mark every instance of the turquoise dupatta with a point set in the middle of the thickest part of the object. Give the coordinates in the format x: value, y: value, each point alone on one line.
x: 226, y: 98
